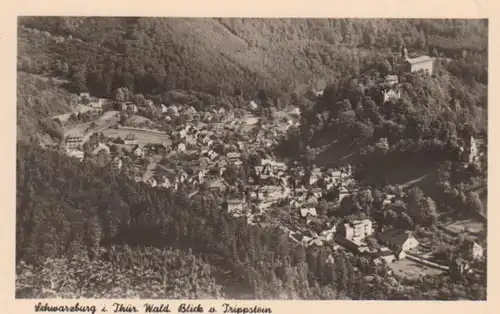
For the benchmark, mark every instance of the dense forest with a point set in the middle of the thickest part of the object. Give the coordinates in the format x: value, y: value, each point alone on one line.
x: 441, y: 111
x: 71, y: 213
x: 123, y: 272
x: 38, y: 99
x: 154, y: 55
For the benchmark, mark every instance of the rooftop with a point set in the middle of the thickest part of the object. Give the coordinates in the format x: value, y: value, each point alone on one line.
x: 419, y: 59
x: 358, y: 222
x: 305, y: 211
x: 395, y: 236
x: 234, y: 201
x: 74, y: 135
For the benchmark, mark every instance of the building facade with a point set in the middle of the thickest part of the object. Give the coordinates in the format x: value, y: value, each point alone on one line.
x: 74, y: 141
x: 408, y: 65
x: 391, y: 94
x: 473, y: 151
x: 357, y: 230
x: 234, y: 205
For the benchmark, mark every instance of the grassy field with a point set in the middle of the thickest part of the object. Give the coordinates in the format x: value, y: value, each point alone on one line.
x: 107, y: 119
x: 412, y: 270
x: 136, y: 121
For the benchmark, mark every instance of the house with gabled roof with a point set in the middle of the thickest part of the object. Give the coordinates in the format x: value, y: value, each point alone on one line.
x: 253, y: 105
x: 84, y: 96
x: 75, y: 153
x: 151, y: 181
x: 162, y: 108
x: 304, y: 212
x: 163, y: 181
x: 343, y: 192
x: 233, y: 155
x: 311, y: 200
x: 130, y: 139
x: 385, y: 254
x: 101, y: 148
x: 398, y: 240
x: 316, y: 242
x: 116, y: 163
x: 216, y: 185
x: 138, y: 150
x: 473, y: 249
x: 389, y: 93
x: 74, y: 141
x: 181, y: 147
x: 234, y: 204
x: 317, y: 192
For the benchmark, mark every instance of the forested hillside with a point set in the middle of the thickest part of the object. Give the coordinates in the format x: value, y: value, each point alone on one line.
x: 153, y: 55
x: 38, y: 99
x: 123, y: 272
x: 70, y: 209
x: 446, y: 108
x: 402, y: 140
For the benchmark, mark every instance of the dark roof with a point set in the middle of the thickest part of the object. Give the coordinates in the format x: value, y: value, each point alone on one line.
x: 469, y: 242
x: 76, y: 135
x: 130, y: 137
x: 387, y: 89
x: 381, y: 253
x: 298, y: 236
x: 395, y: 236
x: 159, y: 178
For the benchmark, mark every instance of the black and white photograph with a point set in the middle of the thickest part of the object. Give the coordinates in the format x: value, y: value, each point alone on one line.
x: 232, y: 158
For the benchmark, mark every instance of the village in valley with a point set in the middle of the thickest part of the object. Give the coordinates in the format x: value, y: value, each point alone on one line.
x: 230, y: 153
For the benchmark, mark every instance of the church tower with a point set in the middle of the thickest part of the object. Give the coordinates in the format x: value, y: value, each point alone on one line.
x: 404, y: 53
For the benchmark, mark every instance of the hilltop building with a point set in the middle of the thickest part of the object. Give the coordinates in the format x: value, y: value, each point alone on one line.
x: 424, y: 63
x: 408, y: 65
